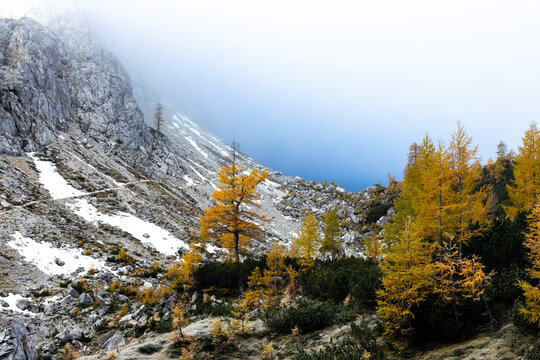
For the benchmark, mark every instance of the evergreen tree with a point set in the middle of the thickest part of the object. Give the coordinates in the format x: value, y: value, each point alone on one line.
x: 230, y: 220
x: 531, y: 310
x: 332, y: 241
x: 468, y: 202
x: 406, y: 282
x: 525, y: 189
x: 309, y: 240
x: 158, y: 116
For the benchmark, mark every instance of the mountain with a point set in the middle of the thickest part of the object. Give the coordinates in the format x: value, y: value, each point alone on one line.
x: 84, y: 177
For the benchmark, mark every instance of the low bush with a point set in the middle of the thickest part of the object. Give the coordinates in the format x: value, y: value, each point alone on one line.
x: 335, y: 279
x: 345, y: 350
x: 225, y: 275
x: 520, y: 322
x: 307, y: 315
x: 362, y: 344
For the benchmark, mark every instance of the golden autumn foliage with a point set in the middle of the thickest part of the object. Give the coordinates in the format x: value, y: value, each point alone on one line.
x: 182, y: 272
x: 442, y: 206
x: 255, y: 293
x: 525, y: 188
x: 332, y: 241
x: 274, y: 275
x: 467, y: 203
x: 373, y: 248
x: 231, y: 220
x: 309, y: 240
x: 407, y: 281
x: 531, y: 310
x: 179, y: 315
x: 266, y: 288
x: 458, y: 278
x: 440, y: 191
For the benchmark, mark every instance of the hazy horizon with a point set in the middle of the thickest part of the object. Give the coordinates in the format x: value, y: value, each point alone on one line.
x: 333, y: 90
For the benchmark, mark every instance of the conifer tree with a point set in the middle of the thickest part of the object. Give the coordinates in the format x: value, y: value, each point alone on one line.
x: 255, y: 293
x: 531, y: 310
x: 406, y: 282
x: 158, y: 116
x: 458, y: 278
x: 309, y: 240
x: 332, y: 241
x: 179, y: 315
x: 525, y: 189
x: 191, y: 260
x: 468, y: 203
x: 230, y: 220
x: 274, y: 274
x: 373, y: 247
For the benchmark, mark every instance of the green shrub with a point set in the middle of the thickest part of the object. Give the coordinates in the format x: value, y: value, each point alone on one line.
x: 519, y: 320
x: 377, y: 210
x: 362, y: 335
x: 306, y: 314
x: 226, y: 275
x: 361, y: 342
x: 505, y: 288
x: 345, y: 350
x: 149, y: 349
x: 501, y: 247
x: 335, y: 279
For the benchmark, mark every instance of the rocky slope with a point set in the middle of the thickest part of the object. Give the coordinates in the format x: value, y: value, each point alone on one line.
x: 84, y: 178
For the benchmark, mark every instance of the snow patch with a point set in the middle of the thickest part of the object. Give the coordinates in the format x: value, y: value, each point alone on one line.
x: 57, y: 186
x: 42, y: 255
x: 11, y: 300
x: 159, y: 238
x: 194, y: 144
x: 156, y: 237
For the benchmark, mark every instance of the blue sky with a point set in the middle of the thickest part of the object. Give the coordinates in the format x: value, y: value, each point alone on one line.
x: 337, y: 89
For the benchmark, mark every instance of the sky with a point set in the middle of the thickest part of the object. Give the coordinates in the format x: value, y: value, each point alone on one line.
x: 336, y: 89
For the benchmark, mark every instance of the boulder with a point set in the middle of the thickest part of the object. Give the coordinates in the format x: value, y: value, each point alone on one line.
x: 15, y: 344
x: 85, y: 300
x: 22, y: 303
x: 71, y: 333
x: 115, y: 341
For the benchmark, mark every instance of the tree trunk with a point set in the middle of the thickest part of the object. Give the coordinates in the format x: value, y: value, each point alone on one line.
x: 236, y: 253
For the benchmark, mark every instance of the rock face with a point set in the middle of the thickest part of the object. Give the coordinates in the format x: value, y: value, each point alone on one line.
x: 46, y: 84
x: 15, y: 344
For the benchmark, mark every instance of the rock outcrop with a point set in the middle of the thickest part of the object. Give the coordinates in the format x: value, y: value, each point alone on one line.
x: 15, y: 344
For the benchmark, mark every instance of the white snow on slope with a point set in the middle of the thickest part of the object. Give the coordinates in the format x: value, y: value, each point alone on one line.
x: 158, y: 238
x: 194, y: 144
x: 11, y: 300
x: 42, y: 255
x: 53, y: 181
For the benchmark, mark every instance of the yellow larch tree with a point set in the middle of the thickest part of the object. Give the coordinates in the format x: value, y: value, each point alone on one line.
x: 179, y: 315
x: 425, y: 194
x: 531, y: 310
x: 525, y: 188
x: 182, y: 272
x: 458, y: 278
x: 231, y: 220
x: 309, y: 239
x: 468, y: 203
x: 332, y: 241
x: 406, y: 282
x: 274, y: 275
x: 373, y: 247
x: 255, y: 293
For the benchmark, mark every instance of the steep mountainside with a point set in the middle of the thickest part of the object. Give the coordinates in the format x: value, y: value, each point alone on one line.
x: 84, y: 178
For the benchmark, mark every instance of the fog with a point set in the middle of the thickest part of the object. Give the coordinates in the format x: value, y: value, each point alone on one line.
x: 333, y: 90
